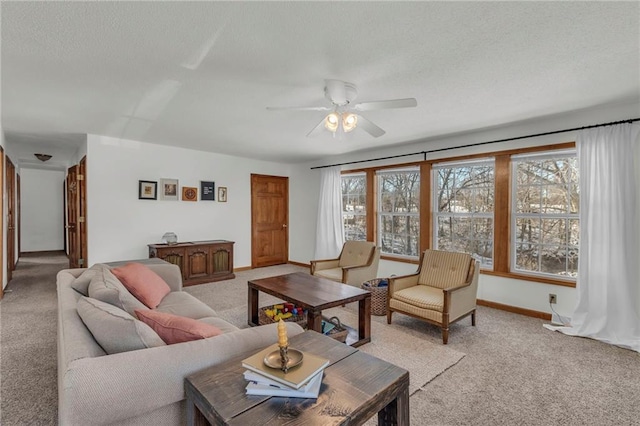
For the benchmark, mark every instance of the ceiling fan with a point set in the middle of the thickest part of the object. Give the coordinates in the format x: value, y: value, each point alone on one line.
x: 344, y: 113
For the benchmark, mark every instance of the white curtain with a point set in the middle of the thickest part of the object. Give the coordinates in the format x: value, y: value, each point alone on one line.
x: 608, y: 281
x: 330, y: 229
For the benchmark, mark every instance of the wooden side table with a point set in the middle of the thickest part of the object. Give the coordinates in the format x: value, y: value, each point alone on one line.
x: 355, y: 387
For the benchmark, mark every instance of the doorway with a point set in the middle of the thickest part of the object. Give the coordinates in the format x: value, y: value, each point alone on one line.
x: 269, y: 220
x: 11, y: 218
x: 76, y: 225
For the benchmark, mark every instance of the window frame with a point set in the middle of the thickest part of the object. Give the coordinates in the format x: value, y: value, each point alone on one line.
x: 502, y: 224
x: 354, y: 213
x: 436, y: 215
x: 380, y: 214
x: 515, y: 215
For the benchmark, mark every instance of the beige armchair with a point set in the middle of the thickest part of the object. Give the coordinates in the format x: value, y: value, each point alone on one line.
x: 442, y: 292
x: 357, y: 263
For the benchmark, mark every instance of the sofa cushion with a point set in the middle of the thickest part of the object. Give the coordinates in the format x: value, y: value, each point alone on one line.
x: 105, y: 287
x: 114, y: 329
x: 422, y: 296
x: 185, y: 305
x: 175, y: 329
x: 81, y: 284
x: 223, y: 325
x: 143, y: 283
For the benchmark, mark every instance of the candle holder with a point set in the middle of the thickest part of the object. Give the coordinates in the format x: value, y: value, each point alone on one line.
x: 284, y: 358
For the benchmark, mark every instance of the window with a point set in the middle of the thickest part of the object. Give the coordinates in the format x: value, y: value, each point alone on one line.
x: 463, y: 204
x: 399, y: 212
x: 354, y: 197
x: 545, y: 225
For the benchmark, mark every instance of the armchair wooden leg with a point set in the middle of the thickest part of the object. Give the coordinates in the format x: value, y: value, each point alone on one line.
x: 389, y: 312
x: 445, y: 335
x: 473, y: 318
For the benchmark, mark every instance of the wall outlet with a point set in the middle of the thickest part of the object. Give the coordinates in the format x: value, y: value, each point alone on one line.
x: 553, y: 298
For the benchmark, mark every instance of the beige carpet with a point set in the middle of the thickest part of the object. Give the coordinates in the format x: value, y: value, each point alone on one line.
x: 514, y: 371
x: 396, y: 344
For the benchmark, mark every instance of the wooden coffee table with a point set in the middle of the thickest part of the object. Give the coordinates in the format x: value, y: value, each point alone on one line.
x: 355, y: 387
x: 314, y: 294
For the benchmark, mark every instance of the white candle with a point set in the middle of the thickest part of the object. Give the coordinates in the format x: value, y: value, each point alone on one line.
x: 282, y: 335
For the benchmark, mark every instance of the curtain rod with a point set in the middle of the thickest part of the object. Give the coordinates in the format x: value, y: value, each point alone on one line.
x: 424, y: 153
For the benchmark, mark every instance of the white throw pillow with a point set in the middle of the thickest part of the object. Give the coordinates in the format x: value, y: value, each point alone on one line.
x: 81, y: 284
x: 114, y: 329
x: 105, y: 287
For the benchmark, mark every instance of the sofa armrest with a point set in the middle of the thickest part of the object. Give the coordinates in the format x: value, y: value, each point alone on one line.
x: 319, y: 265
x: 402, y: 282
x: 112, y: 388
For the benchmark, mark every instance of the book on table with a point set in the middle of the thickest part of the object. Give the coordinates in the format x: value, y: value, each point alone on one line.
x: 261, y: 385
x: 296, y: 377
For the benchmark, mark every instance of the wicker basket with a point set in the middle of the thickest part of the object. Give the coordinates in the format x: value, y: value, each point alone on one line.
x: 263, y: 318
x: 338, y: 332
x: 378, y: 295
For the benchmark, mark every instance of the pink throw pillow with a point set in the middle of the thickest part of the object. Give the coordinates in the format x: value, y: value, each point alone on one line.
x: 143, y: 283
x: 175, y: 329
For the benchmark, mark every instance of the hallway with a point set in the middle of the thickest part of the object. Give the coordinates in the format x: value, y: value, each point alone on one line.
x: 28, y: 315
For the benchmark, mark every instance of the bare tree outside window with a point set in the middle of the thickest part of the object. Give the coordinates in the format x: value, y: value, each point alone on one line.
x: 546, y: 228
x: 354, y: 200
x: 399, y: 212
x: 464, y: 206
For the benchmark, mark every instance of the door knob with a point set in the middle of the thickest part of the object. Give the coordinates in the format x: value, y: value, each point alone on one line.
x: 284, y: 225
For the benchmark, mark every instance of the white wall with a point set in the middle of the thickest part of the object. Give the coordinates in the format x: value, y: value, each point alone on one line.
x: 519, y: 293
x: 41, y: 210
x: 120, y: 226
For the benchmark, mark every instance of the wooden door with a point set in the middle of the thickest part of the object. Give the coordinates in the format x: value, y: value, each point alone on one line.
x: 1, y: 218
x: 82, y: 212
x: 18, y: 219
x: 11, y: 219
x: 72, y: 217
x: 269, y: 220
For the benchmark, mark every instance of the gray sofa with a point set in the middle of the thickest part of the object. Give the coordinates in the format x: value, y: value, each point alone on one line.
x: 146, y: 386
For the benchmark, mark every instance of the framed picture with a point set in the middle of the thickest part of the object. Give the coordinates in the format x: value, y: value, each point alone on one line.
x: 147, y: 190
x: 189, y: 193
x: 169, y: 189
x: 207, y: 191
x: 222, y: 194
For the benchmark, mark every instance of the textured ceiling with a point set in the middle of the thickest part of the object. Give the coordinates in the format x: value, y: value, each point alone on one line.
x: 201, y: 74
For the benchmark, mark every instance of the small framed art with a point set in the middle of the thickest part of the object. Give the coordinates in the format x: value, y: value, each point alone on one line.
x: 207, y: 191
x: 222, y: 194
x: 147, y: 190
x: 169, y: 189
x: 189, y: 193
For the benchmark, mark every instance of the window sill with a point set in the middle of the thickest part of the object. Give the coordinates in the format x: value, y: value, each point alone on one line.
x: 523, y: 277
x: 400, y: 259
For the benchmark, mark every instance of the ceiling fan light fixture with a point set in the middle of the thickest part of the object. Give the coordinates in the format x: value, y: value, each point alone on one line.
x: 349, y: 121
x: 43, y: 157
x: 332, y: 121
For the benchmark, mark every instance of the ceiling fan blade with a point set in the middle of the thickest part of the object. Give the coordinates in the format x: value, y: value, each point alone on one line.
x: 391, y: 103
x: 316, y: 108
x: 336, y: 91
x: 369, y: 127
x: 316, y: 130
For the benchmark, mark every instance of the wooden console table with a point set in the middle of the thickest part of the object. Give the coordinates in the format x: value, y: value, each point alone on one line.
x: 199, y: 261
